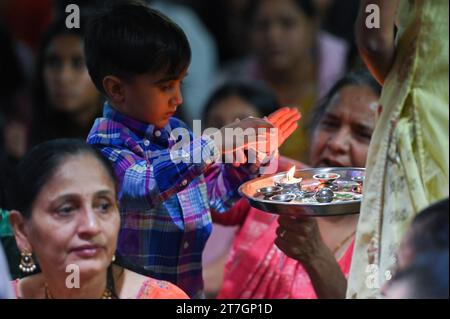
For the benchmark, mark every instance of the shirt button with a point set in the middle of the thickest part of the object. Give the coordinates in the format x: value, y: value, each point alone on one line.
x: 184, y: 182
x: 157, y: 133
x: 146, y: 142
x: 186, y: 245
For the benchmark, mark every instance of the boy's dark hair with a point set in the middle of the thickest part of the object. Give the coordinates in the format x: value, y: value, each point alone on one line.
x: 130, y: 39
x: 359, y: 78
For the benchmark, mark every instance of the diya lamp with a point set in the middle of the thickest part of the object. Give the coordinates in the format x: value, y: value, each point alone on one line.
x: 326, y: 178
x: 283, y: 198
x: 345, y: 196
x: 333, y: 186
x: 289, y: 182
x: 270, y: 191
x: 360, y: 181
x: 344, y: 186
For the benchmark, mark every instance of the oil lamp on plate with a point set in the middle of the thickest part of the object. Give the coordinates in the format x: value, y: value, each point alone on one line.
x: 308, y: 192
x: 359, y: 180
x: 283, y: 198
x: 289, y: 181
x: 270, y: 191
x: 326, y: 178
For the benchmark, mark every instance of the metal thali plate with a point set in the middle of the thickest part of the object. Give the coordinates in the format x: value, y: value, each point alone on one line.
x: 346, y: 200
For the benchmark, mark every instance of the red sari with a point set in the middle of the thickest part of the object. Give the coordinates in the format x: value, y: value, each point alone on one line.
x: 256, y: 268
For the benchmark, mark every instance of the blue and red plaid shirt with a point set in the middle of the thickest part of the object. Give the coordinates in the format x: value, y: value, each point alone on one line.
x: 165, y: 204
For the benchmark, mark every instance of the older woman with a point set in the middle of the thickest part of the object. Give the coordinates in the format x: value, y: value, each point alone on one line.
x: 341, y: 133
x: 67, y: 219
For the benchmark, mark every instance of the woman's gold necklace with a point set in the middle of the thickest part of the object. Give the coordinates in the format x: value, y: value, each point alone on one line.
x: 336, y: 249
x: 106, y: 294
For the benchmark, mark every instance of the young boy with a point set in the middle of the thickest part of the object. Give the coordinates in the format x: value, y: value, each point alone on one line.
x: 138, y: 58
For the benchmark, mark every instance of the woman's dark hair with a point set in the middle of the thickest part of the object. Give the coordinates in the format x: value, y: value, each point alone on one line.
x: 130, y: 39
x: 40, y: 163
x: 259, y: 96
x: 359, y: 78
x: 426, y: 277
x: 37, y: 168
x: 308, y: 7
x: 48, y: 122
x: 431, y: 228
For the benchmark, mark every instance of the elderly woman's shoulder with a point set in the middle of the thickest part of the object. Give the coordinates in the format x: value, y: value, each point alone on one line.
x: 136, y: 286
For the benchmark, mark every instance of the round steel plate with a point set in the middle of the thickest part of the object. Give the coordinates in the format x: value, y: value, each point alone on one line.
x: 348, y: 175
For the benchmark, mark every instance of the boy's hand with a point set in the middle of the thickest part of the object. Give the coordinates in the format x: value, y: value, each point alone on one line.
x: 247, y: 136
x: 285, y: 120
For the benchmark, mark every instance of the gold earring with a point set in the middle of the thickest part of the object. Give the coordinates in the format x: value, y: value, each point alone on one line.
x: 27, y: 264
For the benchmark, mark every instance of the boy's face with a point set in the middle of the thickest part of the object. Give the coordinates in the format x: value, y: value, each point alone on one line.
x: 152, y: 99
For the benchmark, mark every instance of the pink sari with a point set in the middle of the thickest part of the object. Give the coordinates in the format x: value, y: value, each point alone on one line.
x: 256, y: 268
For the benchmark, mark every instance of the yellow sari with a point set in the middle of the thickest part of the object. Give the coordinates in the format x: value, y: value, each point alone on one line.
x: 407, y: 165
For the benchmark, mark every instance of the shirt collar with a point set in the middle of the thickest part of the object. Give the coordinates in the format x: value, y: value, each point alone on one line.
x: 138, y: 127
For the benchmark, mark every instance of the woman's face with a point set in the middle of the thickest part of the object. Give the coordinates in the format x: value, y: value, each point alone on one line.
x: 282, y: 34
x: 69, y: 87
x: 226, y: 111
x: 343, y: 134
x: 75, y: 219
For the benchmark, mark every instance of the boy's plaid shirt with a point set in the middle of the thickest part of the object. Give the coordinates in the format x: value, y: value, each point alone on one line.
x: 165, y: 207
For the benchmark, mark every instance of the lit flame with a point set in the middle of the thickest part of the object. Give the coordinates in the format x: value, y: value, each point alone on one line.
x: 290, y: 174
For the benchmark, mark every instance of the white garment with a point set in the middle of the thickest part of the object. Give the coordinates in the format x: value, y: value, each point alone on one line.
x: 5, y: 280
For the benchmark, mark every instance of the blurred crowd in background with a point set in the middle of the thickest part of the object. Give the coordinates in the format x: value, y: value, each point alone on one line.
x: 44, y: 77
x: 287, y: 52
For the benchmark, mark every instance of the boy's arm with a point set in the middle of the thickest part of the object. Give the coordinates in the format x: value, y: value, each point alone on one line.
x: 377, y: 45
x: 223, y: 182
x: 146, y: 182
